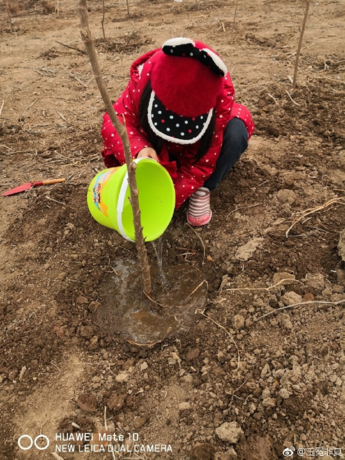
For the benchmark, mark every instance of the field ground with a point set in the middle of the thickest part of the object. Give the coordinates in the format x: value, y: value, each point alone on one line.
x: 279, y: 380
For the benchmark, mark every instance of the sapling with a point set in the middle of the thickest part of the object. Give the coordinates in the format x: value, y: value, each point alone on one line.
x: 102, y: 22
x: 235, y: 13
x: 294, y: 83
x: 122, y: 131
x: 9, y: 17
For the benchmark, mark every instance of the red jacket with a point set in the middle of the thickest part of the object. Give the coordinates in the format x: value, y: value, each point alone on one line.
x: 188, y: 177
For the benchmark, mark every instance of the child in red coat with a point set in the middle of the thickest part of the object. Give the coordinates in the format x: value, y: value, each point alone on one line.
x: 180, y: 109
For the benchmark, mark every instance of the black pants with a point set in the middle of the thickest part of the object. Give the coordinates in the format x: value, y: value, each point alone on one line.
x: 235, y: 142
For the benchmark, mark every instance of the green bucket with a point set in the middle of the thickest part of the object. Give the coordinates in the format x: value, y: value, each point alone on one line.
x: 108, y: 202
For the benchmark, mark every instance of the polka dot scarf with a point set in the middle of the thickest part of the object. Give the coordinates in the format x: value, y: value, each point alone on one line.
x: 173, y: 127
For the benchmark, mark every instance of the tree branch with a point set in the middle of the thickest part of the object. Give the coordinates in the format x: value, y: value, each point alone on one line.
x: 121, y: 129
x: 309, y: 302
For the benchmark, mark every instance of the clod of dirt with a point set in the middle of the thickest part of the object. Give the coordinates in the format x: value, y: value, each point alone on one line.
x: 269, y: 402
x: 291, y: 298
x: 183, y: 406
x: 238, y: 322
x: 341, y: 245
x: 93, y: 345
x: 286, y: 196
x: 86, y: 332
x: 280, y: 276
x: 144, y: 366
x: 340, y: 276
x: 229, y: 455
x: 266, y: 393
x: 122, y: 377
x: 259, y: 449
x: 292, y: 376
x: 193, y: 353
x: 308, y: 297
x: 139, y: 422
x: 93, y: 307
x: 81, y: 300
x: 59, y: 331
x: 284, y: 320
x: 88, y: 403
x: 229, y: 432
x: 315, y: 281
x: 265, y: 371
x: 116, y: 402
x: 246, y: 251
x: 204, y: 451
x: 283, y: 393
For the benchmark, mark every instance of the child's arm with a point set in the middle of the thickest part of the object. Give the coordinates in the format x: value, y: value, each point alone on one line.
x: 237, y: 110
x: 127, y: 104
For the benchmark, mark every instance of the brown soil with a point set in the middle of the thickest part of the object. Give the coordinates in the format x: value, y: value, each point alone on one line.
x: 280, y: 378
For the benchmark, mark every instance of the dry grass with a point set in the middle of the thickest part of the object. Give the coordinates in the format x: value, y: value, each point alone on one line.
x: 309, y: 211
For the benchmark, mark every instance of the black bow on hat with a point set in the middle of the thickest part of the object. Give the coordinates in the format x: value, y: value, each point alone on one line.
x: 185, y: 47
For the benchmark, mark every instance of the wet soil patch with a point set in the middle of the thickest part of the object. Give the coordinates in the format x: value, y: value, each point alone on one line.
x: 127, y: 312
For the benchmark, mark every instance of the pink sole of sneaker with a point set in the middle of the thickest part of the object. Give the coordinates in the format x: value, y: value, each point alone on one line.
x: 199, y: 221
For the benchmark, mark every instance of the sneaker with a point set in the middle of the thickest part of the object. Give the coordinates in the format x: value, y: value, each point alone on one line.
x: 199, y: 210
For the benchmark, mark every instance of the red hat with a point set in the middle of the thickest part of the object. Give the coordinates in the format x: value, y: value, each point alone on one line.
x: 186, y: 81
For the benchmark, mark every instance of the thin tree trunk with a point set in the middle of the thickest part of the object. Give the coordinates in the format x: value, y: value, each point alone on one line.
x: 9, y: 18
x: 235, y: 13
x: 300, y: 44
x: 121, y: 129
x: 127, y: 7
x: 103, y: 22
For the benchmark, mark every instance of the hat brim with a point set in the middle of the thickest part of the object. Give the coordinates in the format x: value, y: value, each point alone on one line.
x: 174, y: 127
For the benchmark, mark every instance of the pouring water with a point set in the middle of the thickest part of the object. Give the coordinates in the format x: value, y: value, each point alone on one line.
x: 158, y: 248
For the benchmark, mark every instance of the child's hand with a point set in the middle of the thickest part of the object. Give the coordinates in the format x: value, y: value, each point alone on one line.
x: 148, y: 152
